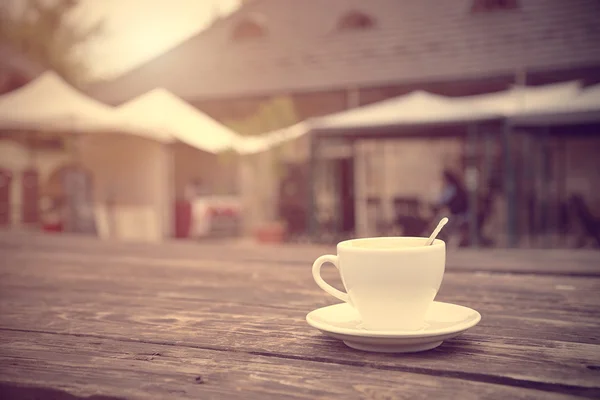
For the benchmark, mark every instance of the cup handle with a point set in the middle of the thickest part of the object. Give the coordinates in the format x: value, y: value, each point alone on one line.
x: 316, y: 271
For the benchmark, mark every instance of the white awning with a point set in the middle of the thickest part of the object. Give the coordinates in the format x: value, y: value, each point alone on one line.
x: 583, y: 108
x: 166, y: 117
x: 522, y: 99
x: 420, y: 108
x: 48, y: 103
x: 416, y: 108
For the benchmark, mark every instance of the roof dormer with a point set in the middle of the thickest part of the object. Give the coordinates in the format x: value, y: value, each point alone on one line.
x: 355, y: 21
x: 479, y: 6
x: 252, y: 26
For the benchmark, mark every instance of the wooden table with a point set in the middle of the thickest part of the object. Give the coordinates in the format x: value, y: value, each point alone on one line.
x: 80, y: 318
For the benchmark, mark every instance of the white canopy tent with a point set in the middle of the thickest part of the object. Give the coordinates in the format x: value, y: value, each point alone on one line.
x: 580, y: 109
x: 161, y: 114
x: 416, y: 108
x: 48, y: 103
x: 423, y: 108
x: 131, y: 174
x: 522, y: 99
x: 166, y: 117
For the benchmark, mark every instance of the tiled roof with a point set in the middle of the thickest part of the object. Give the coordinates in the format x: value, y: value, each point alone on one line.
x: 411, y: 41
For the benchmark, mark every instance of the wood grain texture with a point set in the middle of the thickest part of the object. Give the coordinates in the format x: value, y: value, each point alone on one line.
x: 260, y: 309
x: 566, y: 298
x: 479, y: 355
x: 539, y: 331
x: 84, y: 366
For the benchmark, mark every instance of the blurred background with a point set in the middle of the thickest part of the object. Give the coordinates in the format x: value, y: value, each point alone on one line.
x: 302, y: 121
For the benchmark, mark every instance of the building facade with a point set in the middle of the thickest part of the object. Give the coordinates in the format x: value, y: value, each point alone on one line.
x: 331, y: 55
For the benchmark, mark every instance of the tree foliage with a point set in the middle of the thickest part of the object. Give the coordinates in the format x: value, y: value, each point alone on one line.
x: 46, y: 32
x: 275, y: 113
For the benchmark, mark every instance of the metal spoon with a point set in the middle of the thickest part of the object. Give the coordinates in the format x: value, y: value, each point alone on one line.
x: 436, y: 231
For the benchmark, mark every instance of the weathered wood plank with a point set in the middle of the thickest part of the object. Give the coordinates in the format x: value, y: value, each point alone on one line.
x: 574, y: 301
x: 571, y: 299
x: 283, y: 332
x: 537, y: 331
x: 86, y: 366
x: 30, y: 309
x: 536, y: 261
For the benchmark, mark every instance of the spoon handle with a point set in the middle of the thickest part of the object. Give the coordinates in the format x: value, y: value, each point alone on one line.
x: 437, y: 230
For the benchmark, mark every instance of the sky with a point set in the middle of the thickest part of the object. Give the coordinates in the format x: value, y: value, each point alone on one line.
x: 137, y: 30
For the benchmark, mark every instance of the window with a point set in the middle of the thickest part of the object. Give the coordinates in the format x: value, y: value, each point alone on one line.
x: 355, y: 20
x: 493, y: 5
x: 251, y: 27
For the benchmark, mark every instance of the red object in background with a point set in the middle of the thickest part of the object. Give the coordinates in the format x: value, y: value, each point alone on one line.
x: 271, y: 233
x: 223, y: 211
x: 183, y: 218
x: 5, y: 210
x: 30, y: 197
x: 56, y: 227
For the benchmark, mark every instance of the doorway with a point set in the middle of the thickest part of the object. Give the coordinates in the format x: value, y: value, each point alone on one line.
x: 293, y: 192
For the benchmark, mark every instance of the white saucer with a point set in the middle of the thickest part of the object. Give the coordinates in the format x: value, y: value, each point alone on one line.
x: 443, y: 321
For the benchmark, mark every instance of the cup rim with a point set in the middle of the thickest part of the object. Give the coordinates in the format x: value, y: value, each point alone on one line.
x: 344, y: 245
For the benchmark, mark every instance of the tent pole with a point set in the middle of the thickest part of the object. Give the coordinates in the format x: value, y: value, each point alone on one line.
x: 539, y: 187
x: 488, y: 164
x: 355, y: 189
x: 545, y: 163
x: 509, y: 183
x: 472, y: 179
x: 561, y: 182
x: 384, y: 187
x: 529, y: 182
x: 311, y: 217
x: 337, y: 176
x: 169, y: 229
x: 488, y: 155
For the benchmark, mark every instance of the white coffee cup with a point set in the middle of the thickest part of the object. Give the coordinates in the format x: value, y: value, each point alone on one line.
x: 390, y: 281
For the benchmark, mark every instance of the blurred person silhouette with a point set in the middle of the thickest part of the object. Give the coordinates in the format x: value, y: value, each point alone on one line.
x: 455, y: 199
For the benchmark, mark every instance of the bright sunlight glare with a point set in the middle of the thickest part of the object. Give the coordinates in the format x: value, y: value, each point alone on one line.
x: 138, y: 30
